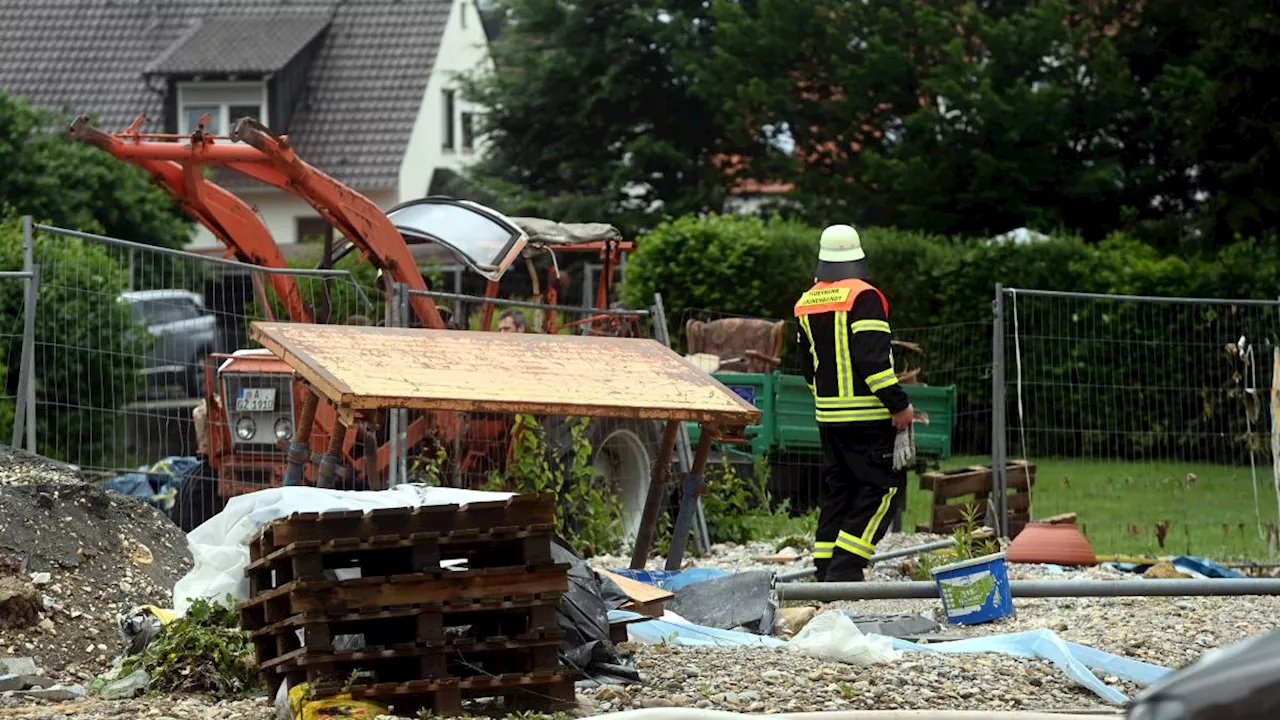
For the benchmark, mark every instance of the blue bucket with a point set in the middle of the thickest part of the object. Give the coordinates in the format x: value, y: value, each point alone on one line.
x: 974, y: 591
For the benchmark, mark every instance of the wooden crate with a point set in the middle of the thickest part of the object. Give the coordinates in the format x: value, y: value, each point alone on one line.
x: 972, y: 488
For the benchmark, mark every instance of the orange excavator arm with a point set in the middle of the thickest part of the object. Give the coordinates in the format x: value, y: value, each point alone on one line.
x: 229, y: 218
x: 268, y: 158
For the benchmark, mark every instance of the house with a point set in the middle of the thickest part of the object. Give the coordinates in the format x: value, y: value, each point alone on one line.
x: 366, y: 90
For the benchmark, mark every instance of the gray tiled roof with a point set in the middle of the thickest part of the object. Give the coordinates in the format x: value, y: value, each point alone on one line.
x: 239, y: 46
x: 364, y: 87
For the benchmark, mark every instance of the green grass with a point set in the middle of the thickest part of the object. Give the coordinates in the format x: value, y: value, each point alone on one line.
x: 1119, y: 504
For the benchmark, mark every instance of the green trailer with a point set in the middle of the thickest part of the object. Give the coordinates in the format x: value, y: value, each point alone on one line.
x: 787, y: 435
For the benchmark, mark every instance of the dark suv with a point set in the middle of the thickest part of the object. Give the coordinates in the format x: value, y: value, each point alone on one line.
x: 184, y: 336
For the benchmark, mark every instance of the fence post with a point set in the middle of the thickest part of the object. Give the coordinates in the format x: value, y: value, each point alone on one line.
x: 999, y: 451
x: 24, y: 426
x: 393, y: 417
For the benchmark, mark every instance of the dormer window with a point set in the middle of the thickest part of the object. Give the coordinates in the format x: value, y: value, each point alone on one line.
x: 225, y: 102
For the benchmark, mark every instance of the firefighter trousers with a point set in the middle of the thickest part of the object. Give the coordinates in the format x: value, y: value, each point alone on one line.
x: 861, y: 493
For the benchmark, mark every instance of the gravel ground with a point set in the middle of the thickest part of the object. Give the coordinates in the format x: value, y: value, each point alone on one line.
x: 85, y: 556
x: 1166, y: 631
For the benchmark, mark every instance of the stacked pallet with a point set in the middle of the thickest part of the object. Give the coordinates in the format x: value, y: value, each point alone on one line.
x: 973, y: 487
x: 408, y: 631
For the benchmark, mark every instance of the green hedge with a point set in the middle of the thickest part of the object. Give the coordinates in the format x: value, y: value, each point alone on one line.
x: 941, y: 291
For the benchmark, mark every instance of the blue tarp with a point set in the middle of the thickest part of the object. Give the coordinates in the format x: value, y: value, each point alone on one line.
x: 1196, y: 567
x: 1073, y: 659
x: 672, y: 580
x: 157, y: 484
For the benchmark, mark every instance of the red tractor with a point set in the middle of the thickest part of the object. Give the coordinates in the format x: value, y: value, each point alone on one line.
x: 253, y: 404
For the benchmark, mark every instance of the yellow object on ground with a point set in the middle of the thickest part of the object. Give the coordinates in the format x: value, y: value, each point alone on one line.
x: 338, y: 706
x: 164, y: 616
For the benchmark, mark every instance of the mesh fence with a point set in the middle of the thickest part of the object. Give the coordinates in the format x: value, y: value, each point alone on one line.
x: 1147, y: 417
x: 124, y: 336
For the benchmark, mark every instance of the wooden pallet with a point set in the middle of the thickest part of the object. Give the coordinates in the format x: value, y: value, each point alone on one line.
x: 462, y: 657
x: 973, y: 487
x: 518, y: 511
x: 388, y: 555
x: 409, y: 590
x: 538, y: 690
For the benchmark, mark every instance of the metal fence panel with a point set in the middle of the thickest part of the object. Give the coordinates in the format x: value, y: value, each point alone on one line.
x: 1155, y: 406
x: 123, y: 333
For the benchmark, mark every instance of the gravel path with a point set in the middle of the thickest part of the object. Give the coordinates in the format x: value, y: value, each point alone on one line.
x: 1166, y: 631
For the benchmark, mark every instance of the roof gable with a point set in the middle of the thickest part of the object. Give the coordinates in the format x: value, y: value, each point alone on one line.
x: 363, y: 90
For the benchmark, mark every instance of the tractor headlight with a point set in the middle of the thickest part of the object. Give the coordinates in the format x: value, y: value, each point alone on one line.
x: 284, y: 429
x: 246, y: 428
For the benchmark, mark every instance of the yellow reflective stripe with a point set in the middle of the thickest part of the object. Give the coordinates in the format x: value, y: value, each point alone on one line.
x: 823, y: 550
x: 849, y: 403
x: 813, y: 351
x: 844, y: 361
x: 854, y: 540
x: 852, y: 546
x: 881, y: 380
x: 870, y: 326
x: 852, y: 415
x: 874, y: 523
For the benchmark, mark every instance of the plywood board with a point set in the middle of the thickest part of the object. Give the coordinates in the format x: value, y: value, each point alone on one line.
x: 367, y: 368
x: 646, y: 599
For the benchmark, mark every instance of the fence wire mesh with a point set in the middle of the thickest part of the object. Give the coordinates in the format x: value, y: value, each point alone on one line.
x: 1147, y: 417
x: 13, y: 292
x: 122, y: 337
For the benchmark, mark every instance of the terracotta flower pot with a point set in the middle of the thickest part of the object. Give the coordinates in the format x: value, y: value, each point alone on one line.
x: 1057, y: 544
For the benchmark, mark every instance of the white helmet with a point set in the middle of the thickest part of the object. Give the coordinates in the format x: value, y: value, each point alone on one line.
x: 840, y: 243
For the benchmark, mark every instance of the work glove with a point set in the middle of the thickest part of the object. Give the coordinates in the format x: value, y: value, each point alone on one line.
x: 904, y: 448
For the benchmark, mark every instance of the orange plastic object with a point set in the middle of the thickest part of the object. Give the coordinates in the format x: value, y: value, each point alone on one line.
x: 1057, y: 544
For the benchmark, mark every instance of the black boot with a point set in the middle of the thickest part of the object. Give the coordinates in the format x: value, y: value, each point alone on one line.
x: 844, y: 570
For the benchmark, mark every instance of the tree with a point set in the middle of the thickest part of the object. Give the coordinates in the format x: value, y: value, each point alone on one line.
x: 588, y: 115
x: 966, y: 118
x: 70, y: 184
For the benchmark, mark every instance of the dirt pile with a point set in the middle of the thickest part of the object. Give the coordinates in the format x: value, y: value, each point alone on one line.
x: 84, y: 556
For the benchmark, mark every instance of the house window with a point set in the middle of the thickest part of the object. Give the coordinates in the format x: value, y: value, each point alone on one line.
x: 468, y: 132
x: 225, y: 103
x: 448, y: 119
x: 313, y: 230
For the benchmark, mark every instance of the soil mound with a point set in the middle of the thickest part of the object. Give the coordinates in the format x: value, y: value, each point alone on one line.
x: 73, y: 558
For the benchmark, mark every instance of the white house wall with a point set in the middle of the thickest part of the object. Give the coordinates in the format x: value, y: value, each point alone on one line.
x: 280, y: 210
x: 463, y: 48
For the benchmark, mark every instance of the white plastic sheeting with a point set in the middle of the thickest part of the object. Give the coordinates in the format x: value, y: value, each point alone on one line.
x: 220, y: 546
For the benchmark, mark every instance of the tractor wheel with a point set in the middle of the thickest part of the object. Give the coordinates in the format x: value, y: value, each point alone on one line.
x: 197, y: 498
x: 622, y: 454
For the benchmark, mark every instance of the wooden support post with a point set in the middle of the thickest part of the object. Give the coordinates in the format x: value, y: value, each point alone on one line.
x: 689, y: 499
x: 300, y: 448
x: 653, y: 502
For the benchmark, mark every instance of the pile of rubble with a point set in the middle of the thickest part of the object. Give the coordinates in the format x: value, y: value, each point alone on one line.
x: 73, y: 559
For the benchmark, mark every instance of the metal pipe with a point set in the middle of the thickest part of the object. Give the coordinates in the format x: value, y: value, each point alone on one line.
x: 329, y: 463
x: 708, y: 714
x: 525, y: 304
x: 878, y: 557
x: 828, y: 592
x: 689, y: 499
x: 999, y: 422
x: 300, y: 448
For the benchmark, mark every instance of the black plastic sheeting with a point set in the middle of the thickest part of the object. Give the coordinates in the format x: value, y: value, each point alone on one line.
x: 584, y: 616
x: 742, y: 600
x: 1240, y: 682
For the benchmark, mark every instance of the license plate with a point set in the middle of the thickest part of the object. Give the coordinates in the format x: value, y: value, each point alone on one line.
x: 256, y: 400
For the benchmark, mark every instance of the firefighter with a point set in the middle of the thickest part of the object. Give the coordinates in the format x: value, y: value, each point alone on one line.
x: 860, y: 407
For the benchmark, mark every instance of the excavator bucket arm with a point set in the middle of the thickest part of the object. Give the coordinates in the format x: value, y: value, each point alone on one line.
x: 229, y: 218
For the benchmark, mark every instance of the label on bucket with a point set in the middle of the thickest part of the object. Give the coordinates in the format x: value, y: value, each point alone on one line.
x: 967, y: 594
